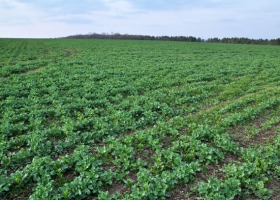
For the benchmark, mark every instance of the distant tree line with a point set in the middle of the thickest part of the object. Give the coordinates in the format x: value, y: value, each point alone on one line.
x: 234, y: 40
x: 135, y: 37
x: 243, y: 40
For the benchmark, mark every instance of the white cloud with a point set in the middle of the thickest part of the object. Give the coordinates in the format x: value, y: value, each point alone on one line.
x: 117, y: 8
x: 204, y: 18
x: 14, y: 12
x: 204, y: 22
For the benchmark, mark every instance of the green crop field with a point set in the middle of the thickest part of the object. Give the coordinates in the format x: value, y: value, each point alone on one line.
x: 116, y: 119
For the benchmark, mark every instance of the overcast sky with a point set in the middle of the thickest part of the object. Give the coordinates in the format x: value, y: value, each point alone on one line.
x: 199, y: 18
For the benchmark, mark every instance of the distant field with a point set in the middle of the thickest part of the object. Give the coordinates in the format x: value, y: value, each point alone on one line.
x: 115, y: 119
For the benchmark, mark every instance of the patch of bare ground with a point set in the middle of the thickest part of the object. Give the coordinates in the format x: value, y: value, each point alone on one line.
x: 167, y: 141
x: 120, y: 187
x: 69, y: 175
x: 70, y: 52
x: 258, y: 139
x: 274, y: 185
x: 19, y: 194
x: 262, y: 138
x: 132, y: 176
x: 184, y: 192
x: 248, y: 197
x: 117, y: 187
x: 37, y: 70
x: 145, y: 155
x: 253, y: 133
